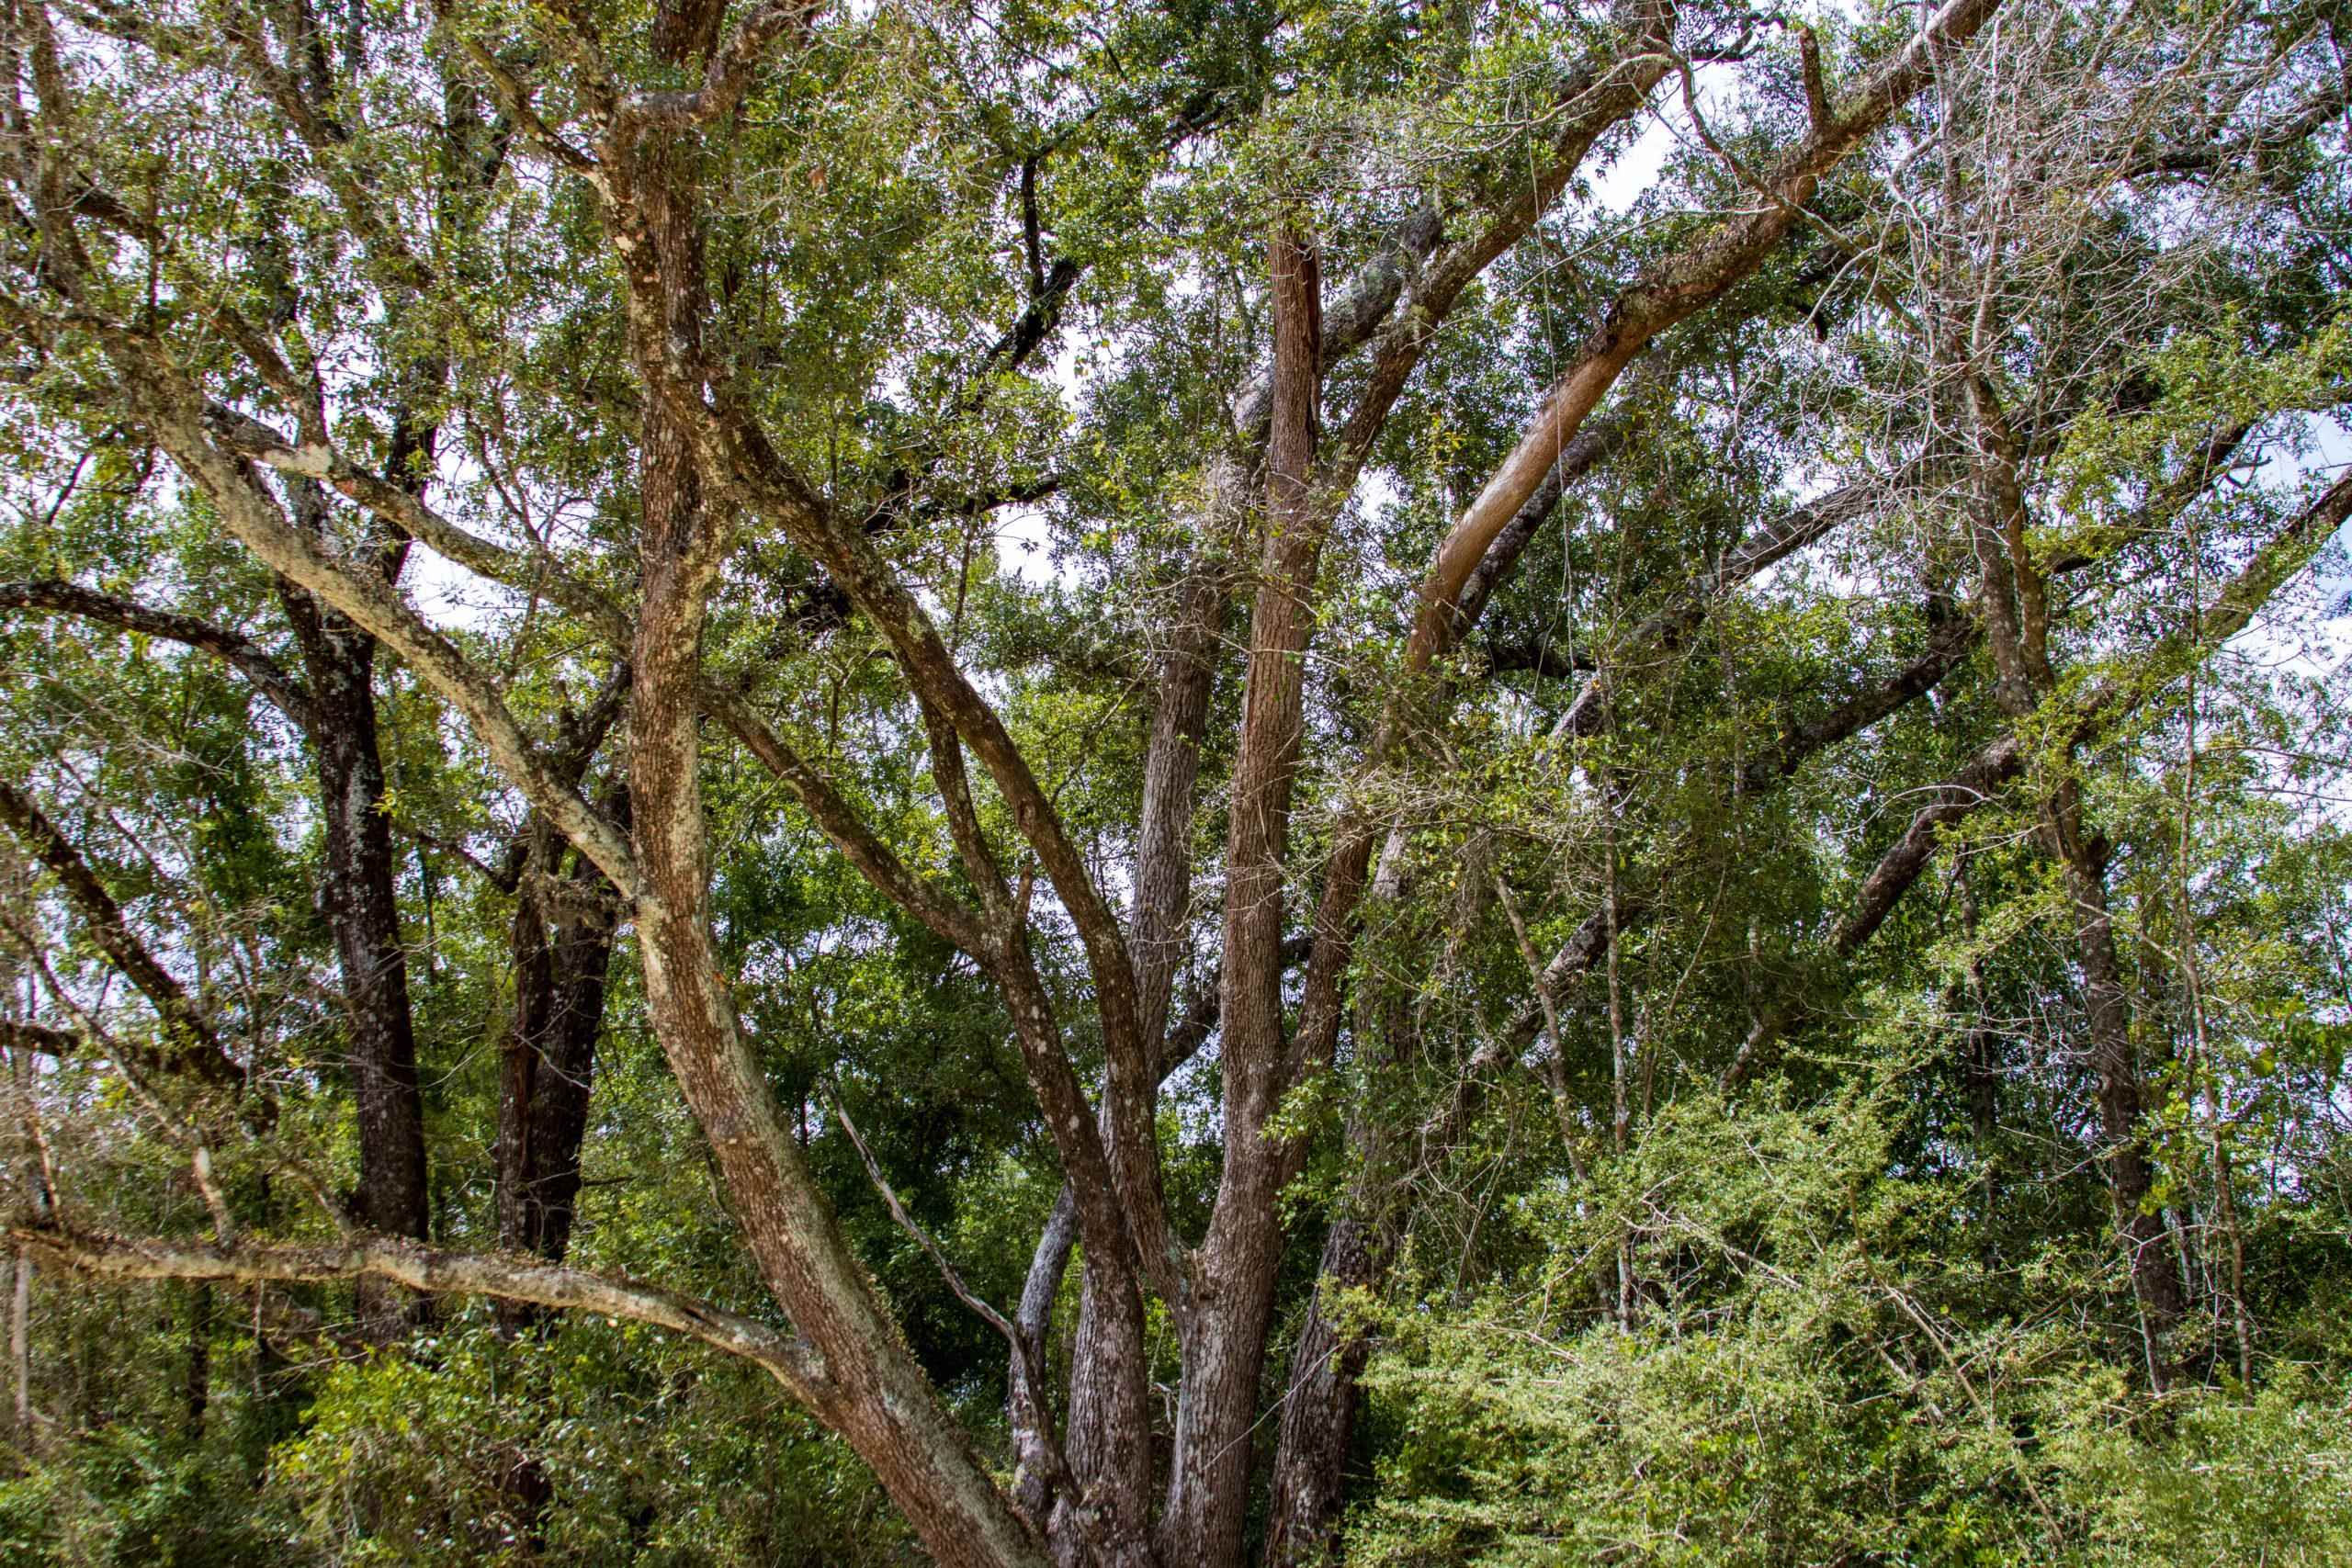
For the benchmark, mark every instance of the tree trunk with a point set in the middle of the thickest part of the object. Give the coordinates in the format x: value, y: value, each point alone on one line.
x: 2121, y: 1101
x: 1323, y: 1394
x: 561, y: 940
x: 1223, y: 1337
x: 362, y: 901
x: 562, y: 946
x: 197, y: 1386
x: 20, y: 1345
x: 871, y: 1393
x: 2015, y: 603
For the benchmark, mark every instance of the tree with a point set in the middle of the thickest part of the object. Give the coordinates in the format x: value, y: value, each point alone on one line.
x: 709, y: 345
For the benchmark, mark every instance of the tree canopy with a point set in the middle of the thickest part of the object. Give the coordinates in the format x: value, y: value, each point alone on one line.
x: 1176, y: 784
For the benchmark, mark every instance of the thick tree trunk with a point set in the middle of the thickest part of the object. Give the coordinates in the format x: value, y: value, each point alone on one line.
x: 362, y: 906
x: 562, y: 946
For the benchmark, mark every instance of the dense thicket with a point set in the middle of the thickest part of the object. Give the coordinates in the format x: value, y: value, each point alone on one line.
x: 1176, y: 782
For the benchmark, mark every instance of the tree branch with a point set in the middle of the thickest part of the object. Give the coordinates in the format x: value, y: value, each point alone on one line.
x: 245, y: 656
x: 191, y: 1045
x: 434, y: 1272
x: 1667, y: 292
x: 728, y: 74
x: 39, y: 1039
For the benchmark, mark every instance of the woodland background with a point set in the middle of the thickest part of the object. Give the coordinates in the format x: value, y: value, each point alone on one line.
x: 1175, y: 782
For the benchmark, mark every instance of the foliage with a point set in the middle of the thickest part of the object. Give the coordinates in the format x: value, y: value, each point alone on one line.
x: 1801, y: 1013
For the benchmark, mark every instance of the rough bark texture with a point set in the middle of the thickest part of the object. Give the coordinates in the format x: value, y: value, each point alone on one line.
x: 562, y: 943
x: 871, y: 1391
x: 363, y: 907
x: 1222, y: 1340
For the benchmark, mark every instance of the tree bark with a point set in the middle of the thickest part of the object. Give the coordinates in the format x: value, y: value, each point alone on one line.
x: 1222, y: 1342
x: 363, y: 909
x: 561, y: 939
x: 872, y: 1392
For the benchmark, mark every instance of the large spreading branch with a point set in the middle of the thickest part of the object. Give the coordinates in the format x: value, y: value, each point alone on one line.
x: 1606, y: 90
x: 401, y: 507
x: 436, y: 1270
x: 739, y: 460
x: 1668, y: 292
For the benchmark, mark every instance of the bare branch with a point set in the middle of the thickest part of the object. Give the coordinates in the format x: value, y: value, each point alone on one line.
x: 436, y: 1272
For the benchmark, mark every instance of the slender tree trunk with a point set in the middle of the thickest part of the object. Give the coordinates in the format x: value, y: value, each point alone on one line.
x: 1980, y: 1069
x: 1223, y: 1336
x: 1322, y: 1395
x: 2015, y: 603
x: 361, y: 889
x: 20, y: 1345
x: 198, y: 1388
x: 2122, y: 1100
